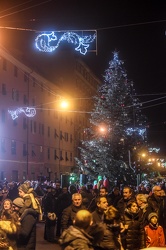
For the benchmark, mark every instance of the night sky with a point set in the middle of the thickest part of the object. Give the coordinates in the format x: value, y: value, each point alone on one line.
x: 134, y: 28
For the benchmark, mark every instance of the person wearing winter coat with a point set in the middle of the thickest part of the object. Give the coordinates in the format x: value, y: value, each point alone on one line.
x: 112, y: 227
x: 26, y: 239
x: 69, y: 213
x: 154, y: 232
x: 132, y: 235
x: 144, y: 208
x: 76, y: 236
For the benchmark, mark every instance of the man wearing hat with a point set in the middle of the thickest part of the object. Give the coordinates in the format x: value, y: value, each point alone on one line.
x: 154, y: 232
x: 28, y: 218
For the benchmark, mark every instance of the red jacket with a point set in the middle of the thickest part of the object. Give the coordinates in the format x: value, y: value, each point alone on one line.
x: 154, y: 236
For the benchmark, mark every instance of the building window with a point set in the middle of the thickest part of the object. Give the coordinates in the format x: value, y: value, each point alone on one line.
x: 4, y: 89
x: 71, y: 157
x: 71, y: 138
x: 42, y: 129
x: 55, y: 155
x: 3, y: 145
x: 34, y: 82
x: 61, y: 156
x: 4, y: 64
x: 33, y: 151
x: 48, y: 131
x: 24, y: 123
x: 34, y: 126
x: 55, y: 133
x: 24, y: 149
x: 15, y: 71
x: 66, y: 136
x: 13, y: 147
x: 66, y: 158
x: 25, y: 77
x: 48, y: 153
x: 25, y: 100
x: 3, y: 116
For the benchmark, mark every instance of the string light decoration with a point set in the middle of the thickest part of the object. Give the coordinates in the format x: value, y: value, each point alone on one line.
x: 49, y: 42
x: 29, y: 112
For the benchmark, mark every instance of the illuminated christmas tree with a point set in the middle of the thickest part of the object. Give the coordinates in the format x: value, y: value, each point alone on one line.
x: 117, y: 128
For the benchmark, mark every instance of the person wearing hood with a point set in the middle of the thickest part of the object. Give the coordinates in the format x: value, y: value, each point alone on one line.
x: 26, y: 238
x: 132, y: 234
x: 154, y: 232
x: 76, y: 237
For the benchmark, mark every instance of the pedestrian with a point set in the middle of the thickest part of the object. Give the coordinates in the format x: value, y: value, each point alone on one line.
x: 101, y: 207
x: 132, y: 235
x: 76, y: 237
x: 154, y: 232
x: 30, y: 201
x: 64, y: 200
x: 112, y: 227
x: 26, y: 239
x: 128, y: 196
x: 69, y: 213
x: 50, y: 215
x: 9, y: 226
x: 144, y: 208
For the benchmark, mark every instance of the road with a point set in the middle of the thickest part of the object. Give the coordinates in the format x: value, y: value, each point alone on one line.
x: 42, y: 244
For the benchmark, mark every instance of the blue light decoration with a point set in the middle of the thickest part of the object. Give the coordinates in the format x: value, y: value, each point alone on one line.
x: 141, y: 132
x: 29, y: 112
x: 49, y: 42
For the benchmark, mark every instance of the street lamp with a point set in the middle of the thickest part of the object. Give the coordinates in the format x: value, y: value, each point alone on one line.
x: 63, y: 106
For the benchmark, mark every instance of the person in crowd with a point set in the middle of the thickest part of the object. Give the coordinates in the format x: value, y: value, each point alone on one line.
x: 86, y: 196
x: 92, y: 205
x: 9, y: 225
x: 26, y: 239
x: 69, y: 213
x: 104, y: 193
x: 132, y: 234
x: 50, y: 214
x: 154, y: 232
x: 64, y: 200
x: 155, y: 202
x: 144, y: 208
x: 13, y: 191
x: 112, y: 227
x: 127, y: 197
x: 115, y: 196
x: 76, y: 237
x: 101, y: 207
x: 6, y: 206
x: 30, y: 201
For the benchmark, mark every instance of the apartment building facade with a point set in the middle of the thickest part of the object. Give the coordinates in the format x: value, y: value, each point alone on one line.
x: 37, y: 138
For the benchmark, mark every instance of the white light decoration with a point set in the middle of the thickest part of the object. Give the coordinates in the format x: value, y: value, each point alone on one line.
x: 29, y: 112
x: 48, y: 42
x: 141, y: 132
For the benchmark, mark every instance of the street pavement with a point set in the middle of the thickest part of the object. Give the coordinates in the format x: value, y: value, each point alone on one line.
x: 42, y: 244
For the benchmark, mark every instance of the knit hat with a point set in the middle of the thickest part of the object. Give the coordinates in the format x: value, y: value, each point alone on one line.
x: 18, y: 202
x: 152, y: 215
x: 24, y: 188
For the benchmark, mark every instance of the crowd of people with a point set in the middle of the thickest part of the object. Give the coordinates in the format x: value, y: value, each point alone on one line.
x: 82, y: 217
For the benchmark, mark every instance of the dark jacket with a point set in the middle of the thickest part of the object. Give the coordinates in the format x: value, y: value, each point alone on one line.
x: 156, y: 205
x: 111, y: 239
x: 122, y: 204
x: 133, y: 238
x: 76, y: 238
x: 97, y: 216
x: 68, y: 215
x: 27, y: 233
